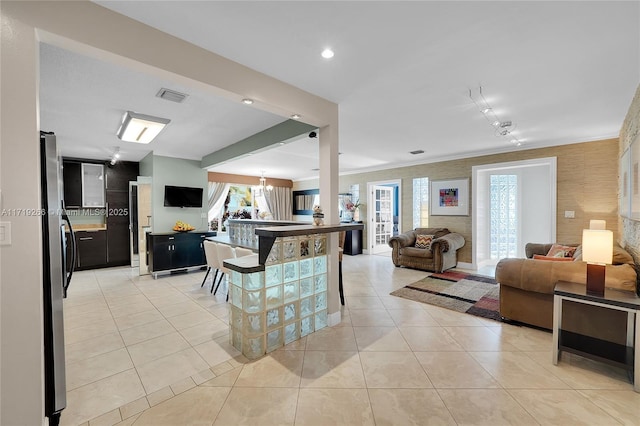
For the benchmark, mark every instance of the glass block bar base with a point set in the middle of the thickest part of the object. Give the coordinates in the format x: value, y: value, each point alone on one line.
x: 283, y: 303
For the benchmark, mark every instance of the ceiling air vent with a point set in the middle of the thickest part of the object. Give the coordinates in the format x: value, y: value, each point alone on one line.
x: 171, y: 95
x: 416, y: 152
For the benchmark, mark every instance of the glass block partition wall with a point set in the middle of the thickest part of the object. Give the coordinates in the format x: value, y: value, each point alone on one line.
x: 283, y: 303
x: 244, y: 230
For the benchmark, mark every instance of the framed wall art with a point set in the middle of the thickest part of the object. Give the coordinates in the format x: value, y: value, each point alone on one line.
x: 625, y: 184
x: 449, y: 197
x: 633, y: 188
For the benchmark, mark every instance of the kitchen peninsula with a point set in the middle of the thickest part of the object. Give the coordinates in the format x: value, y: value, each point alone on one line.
x: 281, y: 294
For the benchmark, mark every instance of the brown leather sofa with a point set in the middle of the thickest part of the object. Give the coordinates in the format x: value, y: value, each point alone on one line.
x: 442, y: 255
x: 526, y: 292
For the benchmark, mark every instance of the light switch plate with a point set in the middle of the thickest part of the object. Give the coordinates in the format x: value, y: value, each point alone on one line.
x: 569, y: 214
x: 5, y: 233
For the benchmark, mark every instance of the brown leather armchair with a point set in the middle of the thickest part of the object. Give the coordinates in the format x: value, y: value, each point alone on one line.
x: 442, y: 255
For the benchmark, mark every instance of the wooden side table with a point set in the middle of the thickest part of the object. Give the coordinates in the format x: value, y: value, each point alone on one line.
x: 624, y: 356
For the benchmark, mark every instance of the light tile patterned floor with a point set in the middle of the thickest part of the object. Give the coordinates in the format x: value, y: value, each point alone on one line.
x: 156, y: 352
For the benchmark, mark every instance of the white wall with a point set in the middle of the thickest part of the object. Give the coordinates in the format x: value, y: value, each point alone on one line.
x: 177, y: 172
x: 21, y: 334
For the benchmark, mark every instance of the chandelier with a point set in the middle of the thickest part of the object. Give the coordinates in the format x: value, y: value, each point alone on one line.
x: 262, y: 186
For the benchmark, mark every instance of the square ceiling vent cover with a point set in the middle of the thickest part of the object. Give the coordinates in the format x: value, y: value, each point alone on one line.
x: 171, y: 95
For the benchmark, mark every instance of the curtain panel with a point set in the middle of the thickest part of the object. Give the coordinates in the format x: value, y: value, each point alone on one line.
x: 218, y: 192
x: 280, y: 203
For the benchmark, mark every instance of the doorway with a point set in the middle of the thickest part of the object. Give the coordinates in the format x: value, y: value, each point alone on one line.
x: 140, y: 209
x: 513, y: 203
x: 383, y: 214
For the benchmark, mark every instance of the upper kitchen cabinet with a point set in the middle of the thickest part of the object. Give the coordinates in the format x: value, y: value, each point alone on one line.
x: 72, y: 177
x: 83, y: 184
x: 93, y: 185
x: 120, y: 174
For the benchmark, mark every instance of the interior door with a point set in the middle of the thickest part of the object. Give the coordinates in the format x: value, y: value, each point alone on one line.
x: 381, y: 218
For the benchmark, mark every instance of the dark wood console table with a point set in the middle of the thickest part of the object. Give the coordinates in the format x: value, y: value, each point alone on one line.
x: 624, y: 356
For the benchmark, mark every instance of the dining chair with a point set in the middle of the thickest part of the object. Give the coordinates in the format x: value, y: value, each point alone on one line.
x: 211, y: 254
x: 224, y: 252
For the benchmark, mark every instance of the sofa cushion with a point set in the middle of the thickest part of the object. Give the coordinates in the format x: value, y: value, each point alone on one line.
x: 621, y: 256
x: 558, y: 250
x: 415, y: 252
x: 423, y: 241
x: 554, y: 259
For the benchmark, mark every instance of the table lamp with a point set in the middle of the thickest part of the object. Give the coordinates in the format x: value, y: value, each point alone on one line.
x: 597, y: 250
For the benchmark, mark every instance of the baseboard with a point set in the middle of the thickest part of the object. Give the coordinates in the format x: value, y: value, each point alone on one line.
x: 465, y: 265
x: 334, y: 319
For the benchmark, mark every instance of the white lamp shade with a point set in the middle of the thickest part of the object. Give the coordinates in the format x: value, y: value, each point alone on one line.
x: 597, y: 246
x: 140, y: 128
x: 597, y: 224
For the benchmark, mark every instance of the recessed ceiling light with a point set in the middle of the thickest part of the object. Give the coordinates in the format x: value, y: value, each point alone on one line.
x: 296, y: 116
x: 247, y: 101
x: 281, y: 143
x: 485, y: 110
x: 327, y: 53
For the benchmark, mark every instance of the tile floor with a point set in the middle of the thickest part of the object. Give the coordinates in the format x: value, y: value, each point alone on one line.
x: 156, y: 352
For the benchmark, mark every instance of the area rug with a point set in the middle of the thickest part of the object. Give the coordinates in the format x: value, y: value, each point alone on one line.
x: 462, y: 292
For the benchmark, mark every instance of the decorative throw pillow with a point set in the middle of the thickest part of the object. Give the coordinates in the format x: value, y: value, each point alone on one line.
x: 555, y: 259
x: 423, y: 241
x: 558, y: 250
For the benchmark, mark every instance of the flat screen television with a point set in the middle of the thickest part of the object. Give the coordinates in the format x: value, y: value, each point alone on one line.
x: 182, y: 196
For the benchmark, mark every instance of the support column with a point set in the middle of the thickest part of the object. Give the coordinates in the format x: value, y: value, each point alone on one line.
x: 329, y: 182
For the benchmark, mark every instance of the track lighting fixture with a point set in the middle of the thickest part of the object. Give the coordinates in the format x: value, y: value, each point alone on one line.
x: 502, y: 128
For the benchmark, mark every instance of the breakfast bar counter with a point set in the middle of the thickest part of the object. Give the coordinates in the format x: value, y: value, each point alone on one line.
x: 280, y: 294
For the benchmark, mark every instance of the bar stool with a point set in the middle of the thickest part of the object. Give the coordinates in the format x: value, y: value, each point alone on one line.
x: 224, y: 252
x: 211, y: 254
x: 242, y: 252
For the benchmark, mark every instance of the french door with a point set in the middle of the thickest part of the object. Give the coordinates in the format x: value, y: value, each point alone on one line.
x: 381, y: 218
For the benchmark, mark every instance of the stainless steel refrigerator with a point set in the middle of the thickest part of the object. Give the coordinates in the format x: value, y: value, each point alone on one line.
x: 56, y: 278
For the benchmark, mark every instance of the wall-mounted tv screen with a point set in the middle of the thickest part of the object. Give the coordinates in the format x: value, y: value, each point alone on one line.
x: 182, y: 196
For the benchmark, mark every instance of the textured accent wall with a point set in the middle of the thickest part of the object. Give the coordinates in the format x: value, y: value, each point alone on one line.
x: 587, y: 183
x: 630, y: 229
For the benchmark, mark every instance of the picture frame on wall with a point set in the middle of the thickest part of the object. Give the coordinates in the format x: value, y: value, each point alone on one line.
x: 449, y: 197
x: 625, y: 184
x: 634, y: 179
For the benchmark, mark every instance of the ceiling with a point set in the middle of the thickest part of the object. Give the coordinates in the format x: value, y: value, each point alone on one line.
x: 403, y: 72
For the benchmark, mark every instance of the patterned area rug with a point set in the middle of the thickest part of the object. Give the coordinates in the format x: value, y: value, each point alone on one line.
x: 458, y: 291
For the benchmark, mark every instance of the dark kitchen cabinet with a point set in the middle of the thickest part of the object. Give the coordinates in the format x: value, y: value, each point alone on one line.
x: 83, y: 183
x: 72, y: 181
x: 118, y: 211
x: 120, y: 174
x: 92, y: 249
x: 174, y: 251
x: 117, y: 219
